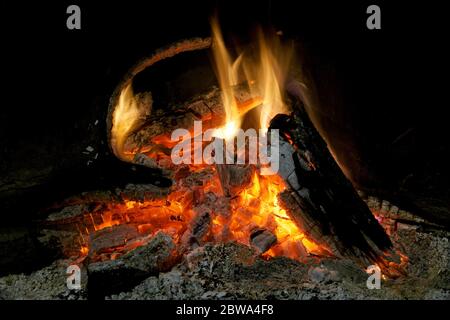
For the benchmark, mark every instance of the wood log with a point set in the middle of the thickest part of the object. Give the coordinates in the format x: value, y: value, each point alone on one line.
x: 262, y: 240
x: 198, y: 229
x: 113, y: 276
x: 320, y: 199
x: 153, y: 135
x: 234, y: 178
x: 161, y: 54
x: 111, y: 237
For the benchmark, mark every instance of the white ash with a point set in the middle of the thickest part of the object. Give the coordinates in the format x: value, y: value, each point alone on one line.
x: 234, y: 271
x: 48, y: 283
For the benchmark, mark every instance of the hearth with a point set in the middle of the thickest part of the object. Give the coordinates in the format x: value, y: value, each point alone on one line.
x: 240, y: 194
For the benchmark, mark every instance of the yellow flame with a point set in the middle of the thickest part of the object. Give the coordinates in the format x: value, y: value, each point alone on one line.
x: 264, y: 72
x: 126, y: 117
x: 227, y: 73
x: 226, y: 132
x: 269, y: 75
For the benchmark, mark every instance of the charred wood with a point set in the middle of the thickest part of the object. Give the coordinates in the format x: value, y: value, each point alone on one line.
x: 111, y: 276
x: 321, y: 200
x: 111, y: 237
x: 234, y: 178
x: 262, y: 240
x: 198, y: 230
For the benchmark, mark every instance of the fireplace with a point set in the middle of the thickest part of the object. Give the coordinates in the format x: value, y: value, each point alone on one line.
x: 221, y: 178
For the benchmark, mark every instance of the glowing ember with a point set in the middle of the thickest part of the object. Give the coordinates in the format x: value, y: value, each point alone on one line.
x: 232, y: 217
x: 256, y: 205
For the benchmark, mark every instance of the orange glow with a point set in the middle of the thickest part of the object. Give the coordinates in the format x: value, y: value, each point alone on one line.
x: 84, y: 250
x: 255, y: 207
x: 263, y: 211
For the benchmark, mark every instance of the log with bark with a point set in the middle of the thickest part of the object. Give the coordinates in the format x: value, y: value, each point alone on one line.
x: 321, y: 200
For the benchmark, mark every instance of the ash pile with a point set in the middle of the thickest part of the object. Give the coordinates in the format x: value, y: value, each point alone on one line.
x: 236, y: 271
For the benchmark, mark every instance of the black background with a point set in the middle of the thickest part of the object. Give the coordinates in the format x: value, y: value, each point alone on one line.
x: 380, y: 83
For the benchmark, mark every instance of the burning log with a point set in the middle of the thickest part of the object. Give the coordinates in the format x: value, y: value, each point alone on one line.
x: 152, y: 136
x: 262, y: 240
x: 290, y: 201
x: 194, y: 236
x: 234, y: 178
x: 164, y: 53
x: 111, y: 237
x: 321, y: 200
x: 144, y: 160
x: 142, y: 192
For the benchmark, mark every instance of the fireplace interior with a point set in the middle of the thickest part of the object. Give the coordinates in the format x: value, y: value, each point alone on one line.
x: 89, y: 180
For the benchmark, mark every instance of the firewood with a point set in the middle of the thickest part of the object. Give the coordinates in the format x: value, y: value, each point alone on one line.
x: 164, y: 53
x: 262, y: 240
x: 151, y: 137
x: 142, y: 192
x: 111, y: 237
x: 144, y: 160
x: 195, y: 235
x: 234, y: 178
x: 320, y: 199
x: 112, y: 276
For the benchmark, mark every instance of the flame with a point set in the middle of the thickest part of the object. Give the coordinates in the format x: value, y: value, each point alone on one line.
x: 126, y: 117
x: 269, y: 75
x: 263, y: 211
x: 228, y: 131
x: 256, y: 206
x: 227, y: 74
x: 264, y: 73
x: 84, y: 250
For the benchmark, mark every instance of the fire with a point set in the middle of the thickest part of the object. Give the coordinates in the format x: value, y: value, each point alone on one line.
x: 262, y: 197
x: 228, y: 131
x: 264, y: 73
x: 268, y: 76
x: 126, y: 117
x: 227, y: 75
x: 256, y: 206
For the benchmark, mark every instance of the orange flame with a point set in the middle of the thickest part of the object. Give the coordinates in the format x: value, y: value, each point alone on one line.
x: 126, y: 117
x: 264, y: 73
x: 257, y: 205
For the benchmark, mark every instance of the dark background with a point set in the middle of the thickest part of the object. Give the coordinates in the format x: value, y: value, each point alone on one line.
x: 381, y: 91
